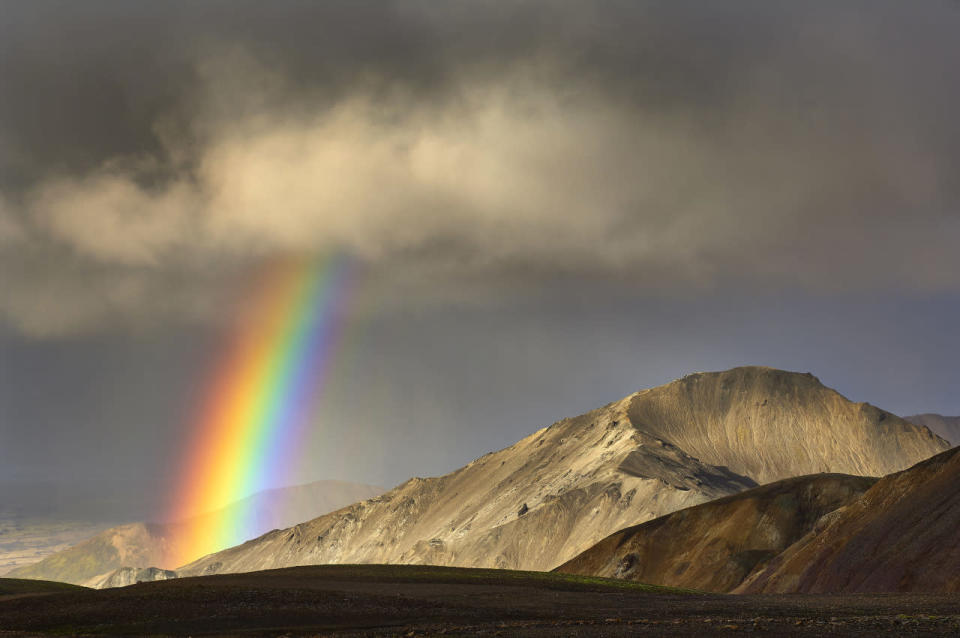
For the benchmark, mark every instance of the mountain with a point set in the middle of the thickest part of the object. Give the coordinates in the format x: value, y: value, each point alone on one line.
x: 557, y: 492
x: 716, y: 545
x: 146, y: 544
x: 947, y: 427
x: 901, y: 535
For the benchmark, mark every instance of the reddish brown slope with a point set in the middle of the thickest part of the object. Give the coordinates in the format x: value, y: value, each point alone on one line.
x: 902, y: 535
x: 716, y: 545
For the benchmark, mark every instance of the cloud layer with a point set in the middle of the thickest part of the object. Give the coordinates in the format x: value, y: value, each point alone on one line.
x: 155, y: 152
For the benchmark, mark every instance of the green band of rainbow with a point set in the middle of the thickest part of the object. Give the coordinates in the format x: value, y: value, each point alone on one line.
x: 259, y: 403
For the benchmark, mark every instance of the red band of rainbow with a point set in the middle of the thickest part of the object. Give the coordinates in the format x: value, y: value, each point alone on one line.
x: 259, y: 403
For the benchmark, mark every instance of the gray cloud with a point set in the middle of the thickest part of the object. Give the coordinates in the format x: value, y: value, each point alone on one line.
x: 472, y: 147
x: 10, y: 229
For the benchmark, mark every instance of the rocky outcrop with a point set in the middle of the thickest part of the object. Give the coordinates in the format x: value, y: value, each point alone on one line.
x: 947, y: 427
x: 131, y: 576
x: 900, y: 536
x: 715, y: 546
x: 702, y: 437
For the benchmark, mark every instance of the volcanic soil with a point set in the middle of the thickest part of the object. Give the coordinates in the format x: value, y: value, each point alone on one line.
x: 379, y: 600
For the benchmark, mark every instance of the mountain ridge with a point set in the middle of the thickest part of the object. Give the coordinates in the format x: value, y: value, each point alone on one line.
x: 947, y: 427
x: 586, y: 463
x: 553, y: 494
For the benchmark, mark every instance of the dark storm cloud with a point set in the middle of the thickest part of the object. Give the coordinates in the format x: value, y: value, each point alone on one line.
x: 572, y: 200
x: 460, y: 145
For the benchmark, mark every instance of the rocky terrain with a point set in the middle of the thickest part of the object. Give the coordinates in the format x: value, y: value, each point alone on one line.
x: 947, y: 427
x: 559, y: 491
x: 140, y: 545
x: 716, y: 545
x: 901, y: 535
x: 123, y: 576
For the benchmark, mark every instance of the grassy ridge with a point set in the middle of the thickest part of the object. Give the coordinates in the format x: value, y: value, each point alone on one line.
x: 480, y: 576
x: 16, y: 586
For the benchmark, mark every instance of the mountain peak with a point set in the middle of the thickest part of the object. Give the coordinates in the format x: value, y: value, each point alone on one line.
x: 771, y: 424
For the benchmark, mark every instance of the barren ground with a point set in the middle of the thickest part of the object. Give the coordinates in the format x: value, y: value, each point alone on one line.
x: 375, y: 600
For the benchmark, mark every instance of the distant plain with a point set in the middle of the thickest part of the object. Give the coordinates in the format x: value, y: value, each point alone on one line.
x: 24, y: 540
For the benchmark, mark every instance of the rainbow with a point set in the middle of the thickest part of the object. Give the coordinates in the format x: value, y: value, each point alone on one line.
x: 257, y: 404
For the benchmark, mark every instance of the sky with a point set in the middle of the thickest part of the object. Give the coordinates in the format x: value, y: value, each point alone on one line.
x: 549, y: 204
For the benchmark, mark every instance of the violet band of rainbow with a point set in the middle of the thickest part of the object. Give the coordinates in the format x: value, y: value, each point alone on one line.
x: 259, y: 403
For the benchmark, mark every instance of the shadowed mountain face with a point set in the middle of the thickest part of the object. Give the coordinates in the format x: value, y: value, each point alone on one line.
x: 715, y: 546
x: 947, y: 427
x: 93, y: 561
x: 557, y: 492
x: 901, y: 535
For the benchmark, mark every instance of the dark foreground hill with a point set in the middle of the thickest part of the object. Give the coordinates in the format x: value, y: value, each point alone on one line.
x: 16, y: 587
x: 376, y: 600
x: 716, y: 545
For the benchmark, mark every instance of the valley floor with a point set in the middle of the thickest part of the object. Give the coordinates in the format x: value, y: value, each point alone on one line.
x: 377, y: 600
x: 26, y: 540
